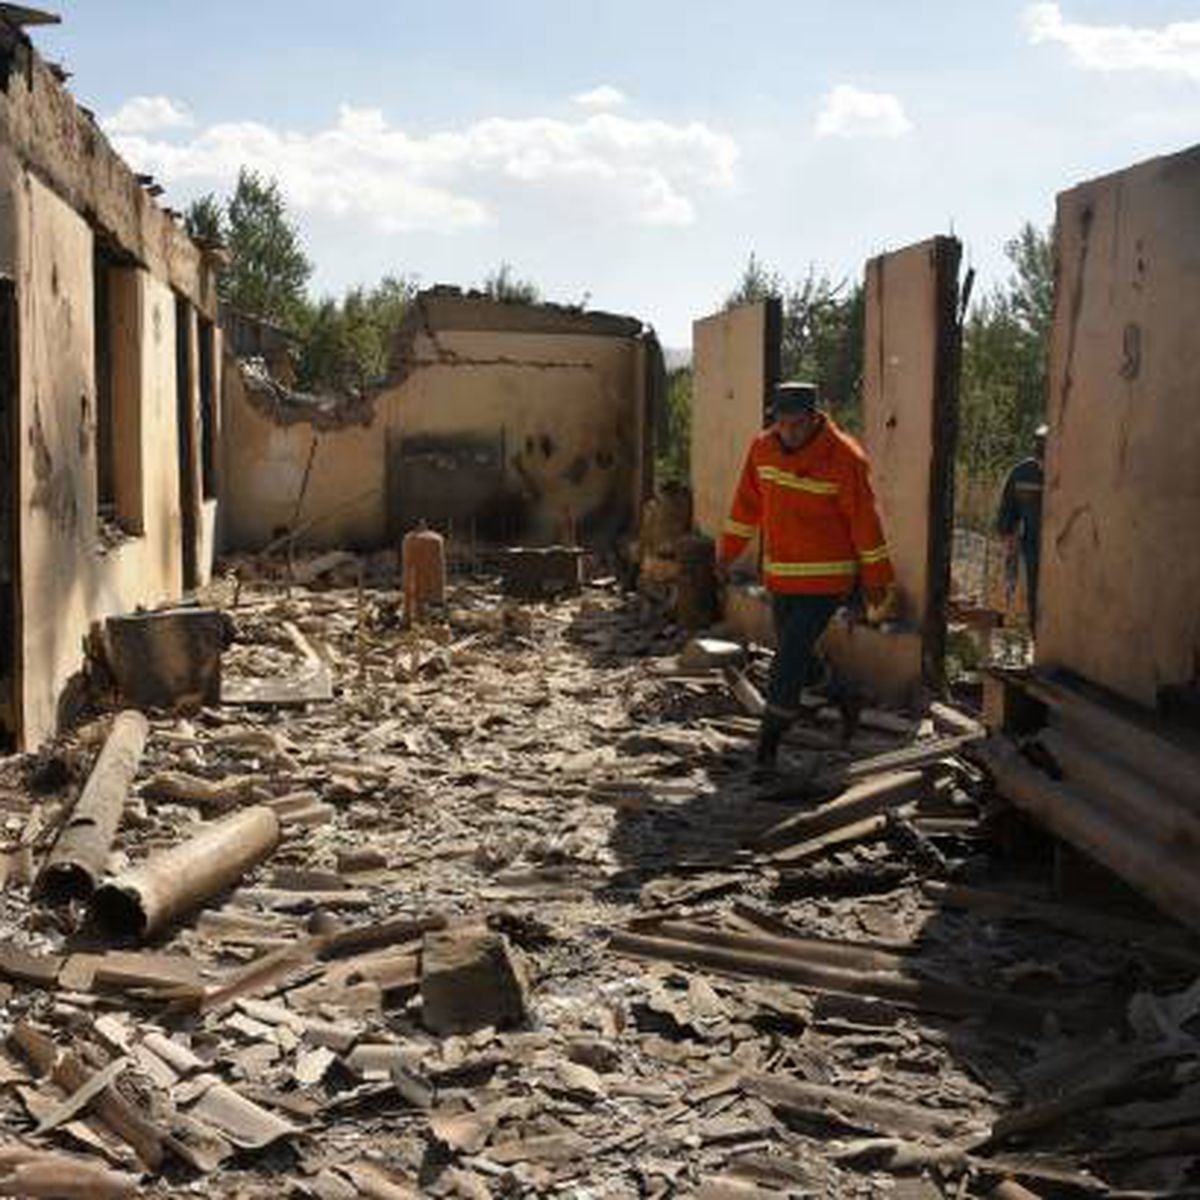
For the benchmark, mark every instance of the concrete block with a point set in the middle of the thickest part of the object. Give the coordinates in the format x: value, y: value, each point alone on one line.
x: 470, y: 980
x: 160, y: 659
x: 543, y: 573
x: 701, y: 654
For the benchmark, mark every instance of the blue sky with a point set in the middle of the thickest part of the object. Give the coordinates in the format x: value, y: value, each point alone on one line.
x: 636, y: 153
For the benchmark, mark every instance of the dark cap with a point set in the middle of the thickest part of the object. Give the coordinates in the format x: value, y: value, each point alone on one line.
x: 793, y: 398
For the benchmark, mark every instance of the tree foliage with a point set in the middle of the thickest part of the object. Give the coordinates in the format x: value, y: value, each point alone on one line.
x: 674, y: 462
x: 504, y: 286
x: 1005, y: 365
x: 821, y: 334
x: 269, y: 271
x: 346, y: 345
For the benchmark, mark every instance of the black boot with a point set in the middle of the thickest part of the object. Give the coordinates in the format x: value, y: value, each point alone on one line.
x: 770, y: 735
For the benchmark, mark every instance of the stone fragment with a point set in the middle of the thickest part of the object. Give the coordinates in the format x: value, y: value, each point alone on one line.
x: 702, y: 653
x: 470, y: 980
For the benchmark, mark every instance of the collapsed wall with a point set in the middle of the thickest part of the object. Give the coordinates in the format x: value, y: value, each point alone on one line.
x: 498, y: 423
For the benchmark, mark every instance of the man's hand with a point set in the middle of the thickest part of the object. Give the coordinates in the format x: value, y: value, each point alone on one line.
x: 882, y: 603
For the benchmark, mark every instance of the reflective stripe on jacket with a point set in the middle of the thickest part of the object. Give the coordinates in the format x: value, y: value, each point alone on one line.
x: 820, y: 527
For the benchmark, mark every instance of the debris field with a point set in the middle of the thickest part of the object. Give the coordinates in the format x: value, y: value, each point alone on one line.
x: 494, y: 906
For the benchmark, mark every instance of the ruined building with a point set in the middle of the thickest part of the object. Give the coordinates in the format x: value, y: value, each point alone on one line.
x: 542, y: 415
x: 109, y: 372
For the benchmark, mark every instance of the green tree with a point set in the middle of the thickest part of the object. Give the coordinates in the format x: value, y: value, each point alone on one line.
x: 503, y: 285
x: 674, y: 462
x: 346, y: 346
x: 269, y: 271
x: 821, y: 335
x: 205, y: 219
x: 1005, y: 367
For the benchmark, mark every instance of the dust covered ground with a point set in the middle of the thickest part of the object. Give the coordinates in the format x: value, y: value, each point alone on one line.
x: 693, y: 1001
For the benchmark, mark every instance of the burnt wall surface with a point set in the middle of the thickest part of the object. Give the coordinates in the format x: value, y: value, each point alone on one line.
x: 910, y: 407
x: 735, y: 363
x: 57, y: 141
x: 97, y: 280
x: 1120, y: 569
x: 502, y: 423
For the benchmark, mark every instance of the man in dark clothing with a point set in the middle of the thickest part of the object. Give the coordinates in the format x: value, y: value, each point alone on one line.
x: 1020, y: 518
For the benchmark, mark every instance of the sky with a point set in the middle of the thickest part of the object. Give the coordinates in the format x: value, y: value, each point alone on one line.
x: 632, y: 154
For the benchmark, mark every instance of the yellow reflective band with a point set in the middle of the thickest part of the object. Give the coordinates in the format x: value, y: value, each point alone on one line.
x: 803, y: 570
x: 799, y: 483
x: 878, y: 555
x: 738, y: 529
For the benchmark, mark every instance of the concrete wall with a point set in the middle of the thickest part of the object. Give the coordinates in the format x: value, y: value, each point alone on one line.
x: 517, y: 434
x: 1120, y: 549
x: 561, y: 411
x: 263, y: 469
x: 64, y: 193
x: 68, y: 578
x: 909, y: 425
x: 735, y: 363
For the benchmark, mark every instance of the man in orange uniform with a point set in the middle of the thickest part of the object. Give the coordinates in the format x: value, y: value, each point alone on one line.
x: 806, y: 484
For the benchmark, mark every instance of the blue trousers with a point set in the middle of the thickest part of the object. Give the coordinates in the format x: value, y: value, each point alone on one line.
x: 799, y: 622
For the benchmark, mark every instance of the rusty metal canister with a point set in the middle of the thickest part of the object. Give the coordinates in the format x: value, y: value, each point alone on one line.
x: 423, y: 570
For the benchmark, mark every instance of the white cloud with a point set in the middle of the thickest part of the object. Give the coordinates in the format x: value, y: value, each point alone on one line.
x: 850, y: 112
x: 1173, y: 48
x: 639, y: 171
x: 147, y: 114
x: 604, y: 96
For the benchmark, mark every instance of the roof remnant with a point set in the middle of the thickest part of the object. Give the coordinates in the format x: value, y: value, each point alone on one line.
x: 19, y: 15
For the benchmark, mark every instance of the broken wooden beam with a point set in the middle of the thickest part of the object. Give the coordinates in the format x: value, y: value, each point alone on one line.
x: 360, y: 938
x: 146, y: 898
x: 862, y: 799
x: 80, y: 853
x: 43, y: 1173
x: 209, y: 795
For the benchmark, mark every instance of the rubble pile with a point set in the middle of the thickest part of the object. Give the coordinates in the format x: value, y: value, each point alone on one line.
x: 494, y: 907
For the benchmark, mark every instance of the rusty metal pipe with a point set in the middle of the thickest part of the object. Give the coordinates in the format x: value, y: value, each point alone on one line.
x: 146, y: 898
x: 81, y: 850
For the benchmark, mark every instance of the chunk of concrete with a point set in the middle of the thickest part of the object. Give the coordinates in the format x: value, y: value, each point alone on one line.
x: 702, y: 654
x: 542, y: 573
x: 470, y: 980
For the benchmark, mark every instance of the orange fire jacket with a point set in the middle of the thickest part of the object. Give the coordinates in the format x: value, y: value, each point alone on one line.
x: 820, y: 527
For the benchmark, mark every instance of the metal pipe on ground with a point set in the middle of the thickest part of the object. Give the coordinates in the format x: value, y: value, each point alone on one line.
x: 80, y: 852
x: 146, y: 898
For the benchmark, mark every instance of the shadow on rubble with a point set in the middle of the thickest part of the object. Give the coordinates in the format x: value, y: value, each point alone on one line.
x: 916, y: 935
